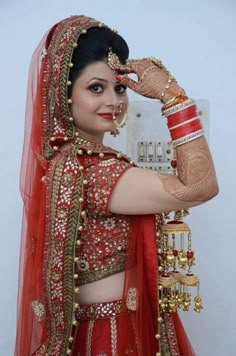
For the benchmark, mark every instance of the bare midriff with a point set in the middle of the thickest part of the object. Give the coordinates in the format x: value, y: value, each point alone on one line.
x: 104, y: 290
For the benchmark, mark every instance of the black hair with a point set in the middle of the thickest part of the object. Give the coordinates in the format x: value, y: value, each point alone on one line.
x: 94, y: 46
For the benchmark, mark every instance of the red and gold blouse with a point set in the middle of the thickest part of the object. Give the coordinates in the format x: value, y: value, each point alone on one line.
x: 103, y: 235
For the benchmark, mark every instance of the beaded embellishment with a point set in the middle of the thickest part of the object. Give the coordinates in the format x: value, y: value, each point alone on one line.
x: 38, y: 309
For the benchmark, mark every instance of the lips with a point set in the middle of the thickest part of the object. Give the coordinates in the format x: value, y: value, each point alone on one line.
x: 108, y: 115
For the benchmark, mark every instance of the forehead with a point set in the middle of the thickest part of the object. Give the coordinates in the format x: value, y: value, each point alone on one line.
x: 97, y: 70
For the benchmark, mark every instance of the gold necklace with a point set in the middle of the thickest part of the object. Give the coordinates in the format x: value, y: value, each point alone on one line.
x: 84, y: 146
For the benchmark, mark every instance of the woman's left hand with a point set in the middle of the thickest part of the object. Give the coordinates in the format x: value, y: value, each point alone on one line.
x: 154, y: 80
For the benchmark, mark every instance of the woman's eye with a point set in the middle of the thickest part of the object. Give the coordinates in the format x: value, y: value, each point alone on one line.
x: 96, y: 88
x: 120, y: 89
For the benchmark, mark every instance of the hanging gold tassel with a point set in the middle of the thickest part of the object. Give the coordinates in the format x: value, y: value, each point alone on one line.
x: 176, y: 254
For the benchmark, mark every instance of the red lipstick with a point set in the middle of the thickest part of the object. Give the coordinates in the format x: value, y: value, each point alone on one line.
x: 108, y: 115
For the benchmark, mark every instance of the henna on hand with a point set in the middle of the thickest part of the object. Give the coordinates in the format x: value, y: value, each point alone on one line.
x: 154, y: 80
x: 196, y: 180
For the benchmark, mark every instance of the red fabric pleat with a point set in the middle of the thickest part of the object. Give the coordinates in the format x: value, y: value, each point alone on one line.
x: 141, y: 275
x: 184, y: 344
x: 98, y: 337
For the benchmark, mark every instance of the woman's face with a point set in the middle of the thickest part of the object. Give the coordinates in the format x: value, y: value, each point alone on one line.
x: 96, y: 97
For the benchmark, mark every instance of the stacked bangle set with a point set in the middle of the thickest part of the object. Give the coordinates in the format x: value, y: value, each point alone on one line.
x: 182, y: 121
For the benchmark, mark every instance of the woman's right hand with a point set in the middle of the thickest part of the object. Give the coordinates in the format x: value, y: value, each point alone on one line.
x: 154, y: 80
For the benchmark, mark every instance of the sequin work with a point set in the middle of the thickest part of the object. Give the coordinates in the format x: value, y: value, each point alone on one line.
x: 104, y: 235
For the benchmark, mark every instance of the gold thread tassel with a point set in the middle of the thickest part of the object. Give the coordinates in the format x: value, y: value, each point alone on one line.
x: 175, y: 254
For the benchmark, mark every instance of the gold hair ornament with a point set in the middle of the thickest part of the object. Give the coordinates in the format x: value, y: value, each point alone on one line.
x: 113, y: 60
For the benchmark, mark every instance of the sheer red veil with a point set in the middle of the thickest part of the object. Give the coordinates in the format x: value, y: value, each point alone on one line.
x: 29, y: 333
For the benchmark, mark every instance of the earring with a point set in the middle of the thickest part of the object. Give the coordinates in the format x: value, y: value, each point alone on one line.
x: 115, y: 132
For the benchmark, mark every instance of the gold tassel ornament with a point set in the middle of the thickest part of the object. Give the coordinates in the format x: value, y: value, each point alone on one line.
x: 176, y: 259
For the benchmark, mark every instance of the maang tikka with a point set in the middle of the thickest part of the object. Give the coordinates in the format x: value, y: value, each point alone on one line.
x: 113, y: 60
x: 114, y: 63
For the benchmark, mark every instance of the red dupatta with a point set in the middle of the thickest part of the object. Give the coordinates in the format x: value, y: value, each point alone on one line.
x: 142, y: 276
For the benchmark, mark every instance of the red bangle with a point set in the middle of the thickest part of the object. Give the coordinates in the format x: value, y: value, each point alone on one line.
x: 181, y: 116
x: 185, y: 133
x: 186, y: 129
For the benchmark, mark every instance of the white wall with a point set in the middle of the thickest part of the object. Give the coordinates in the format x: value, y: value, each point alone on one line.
x: 196, y: 41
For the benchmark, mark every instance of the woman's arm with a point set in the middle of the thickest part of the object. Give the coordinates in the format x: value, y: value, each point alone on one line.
x: 141, y: 191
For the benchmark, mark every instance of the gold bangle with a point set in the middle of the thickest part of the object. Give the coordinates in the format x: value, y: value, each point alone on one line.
x: 170, y: 80
x: 174, y: 101
x: 170, y: 101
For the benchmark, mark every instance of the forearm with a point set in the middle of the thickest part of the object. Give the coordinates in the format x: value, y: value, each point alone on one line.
x: 196, y: 179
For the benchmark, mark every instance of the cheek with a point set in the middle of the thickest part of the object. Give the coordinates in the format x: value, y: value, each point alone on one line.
x: 82, y: 104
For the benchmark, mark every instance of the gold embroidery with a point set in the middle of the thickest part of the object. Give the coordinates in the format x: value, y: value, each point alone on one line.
x: 39, y: 310
x: 164, y: 345
x: 43, y: 53
x: 91, y: 276
x: 55, y: 98
x: 109, y: 223
x: 171, y: 335
x: 62, y: 212
x: 89, y: 338
x: 68, y: 179
x: 63, y: 209
x: 82, y: 265
x: 108, y: 162
x: 104, y: 236
x: 98, y: 310
x: 113, y: 336
x: 131, y: 301
x: 56, y: 276
x: 41, y: 351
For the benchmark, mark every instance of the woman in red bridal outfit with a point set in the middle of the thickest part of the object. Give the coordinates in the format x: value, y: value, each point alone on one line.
x: 90, y: 275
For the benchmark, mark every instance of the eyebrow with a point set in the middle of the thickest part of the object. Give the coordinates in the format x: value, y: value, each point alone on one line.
x: 101, y: 79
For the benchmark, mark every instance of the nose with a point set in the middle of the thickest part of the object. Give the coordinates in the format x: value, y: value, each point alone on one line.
x: 112, y: 99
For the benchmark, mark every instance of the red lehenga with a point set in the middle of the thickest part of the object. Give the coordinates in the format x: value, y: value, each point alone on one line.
x: 58, y: 190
